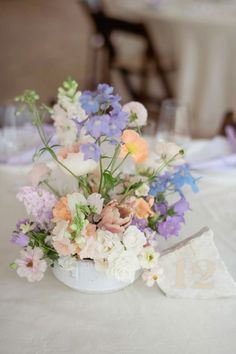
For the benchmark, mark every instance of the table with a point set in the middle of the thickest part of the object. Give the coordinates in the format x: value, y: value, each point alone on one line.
x: 49, y: 318
x: 200, y: 36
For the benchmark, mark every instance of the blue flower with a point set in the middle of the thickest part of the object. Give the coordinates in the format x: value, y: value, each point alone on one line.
x: 99, y: 100
x: 182, y: 177
x: 91, y: 151
x: 89, y: 102
x: 98, y: 126
x: 159, y: 185
x: 117, y: 122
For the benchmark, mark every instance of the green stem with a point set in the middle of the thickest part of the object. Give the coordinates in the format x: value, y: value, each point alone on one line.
x: 101, y: 176
x: 121, y: 163
x: 51, y: 188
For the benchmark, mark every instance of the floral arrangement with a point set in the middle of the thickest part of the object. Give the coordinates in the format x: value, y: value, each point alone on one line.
x: 116, y: 198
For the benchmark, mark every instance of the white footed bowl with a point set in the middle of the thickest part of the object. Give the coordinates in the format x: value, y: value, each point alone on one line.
x: 87, y: 279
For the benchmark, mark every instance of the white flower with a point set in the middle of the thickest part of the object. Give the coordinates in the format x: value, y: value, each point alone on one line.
x: 124, y: 267
x: 31, y: 265
x: 72, y: 107
x: 148, y: 257
x: 142, y: 191
x: 60, y: 231
x: 152, y: 276
x: 137, y: 113
x: 75, y: 163
x: 38, y: 173
x: 134, y: 239
x: 170, y: 153
x: 65, y: 127
x: 67, y: 263
x: 96, y: 200
x: 108, y: 244
x: 166, y: 156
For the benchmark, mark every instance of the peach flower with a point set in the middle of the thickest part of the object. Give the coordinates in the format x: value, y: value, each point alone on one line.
x: 142, y: 208
x: 64, y: 247
x: 115, y: 217
x: 73, y: 159
x: 133, y: 144
x: 61, y: 210
x: 38, y: 173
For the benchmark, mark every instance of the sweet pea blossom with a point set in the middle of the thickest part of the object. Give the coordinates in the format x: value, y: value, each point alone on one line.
x: 95, y: 200
x: 31, y: 265
x: 38, y: 173
x: 64, y: 247
x: 73, y: 159
x: 137, y: 113
x: 89, y: 250
x: 134, y: 145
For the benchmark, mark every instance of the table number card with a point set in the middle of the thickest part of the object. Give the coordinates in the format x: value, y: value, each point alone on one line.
x: 194, y: 269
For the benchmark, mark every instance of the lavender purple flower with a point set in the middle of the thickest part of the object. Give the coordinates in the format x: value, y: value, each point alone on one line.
x: 91, y: 151
x: 38, y: 202
x: 170, y: 227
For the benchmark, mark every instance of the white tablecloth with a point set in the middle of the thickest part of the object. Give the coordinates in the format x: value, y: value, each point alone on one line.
x: 49, y: 318
x: 200, y: 35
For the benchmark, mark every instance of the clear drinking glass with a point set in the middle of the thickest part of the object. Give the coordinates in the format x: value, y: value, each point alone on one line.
x: 173, y: 124
x: 15, y: 132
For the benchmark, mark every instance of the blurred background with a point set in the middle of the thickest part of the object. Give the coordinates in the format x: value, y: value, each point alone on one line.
x: 149, y: 50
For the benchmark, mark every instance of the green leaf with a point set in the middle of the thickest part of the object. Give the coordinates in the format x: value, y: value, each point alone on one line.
x: 109, y: 180
x: 13, y: 265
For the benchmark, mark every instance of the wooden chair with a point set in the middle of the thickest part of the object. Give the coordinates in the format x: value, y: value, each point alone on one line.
x: 105, y: 26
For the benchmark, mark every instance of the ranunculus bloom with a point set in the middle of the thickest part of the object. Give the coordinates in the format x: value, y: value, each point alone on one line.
x: 73, y: 159
x: 61, y: 210
x: 38, y: 173
x: 31, y: 265
x: 137, y: 113
x: 142, y: 208
x: 133, y: 144
x: 115, y: 217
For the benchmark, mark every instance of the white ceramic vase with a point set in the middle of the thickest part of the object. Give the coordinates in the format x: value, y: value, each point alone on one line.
x: 87, y: 279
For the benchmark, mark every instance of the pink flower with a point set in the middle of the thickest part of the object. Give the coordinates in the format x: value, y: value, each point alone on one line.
x: 64, y: 247
x: 38, y: 173
x: 31, y: 265
x: 89, y: 250
x: 115, y: 217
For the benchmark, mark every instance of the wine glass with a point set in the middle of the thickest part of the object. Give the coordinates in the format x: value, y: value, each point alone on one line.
x: 173, y: 124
